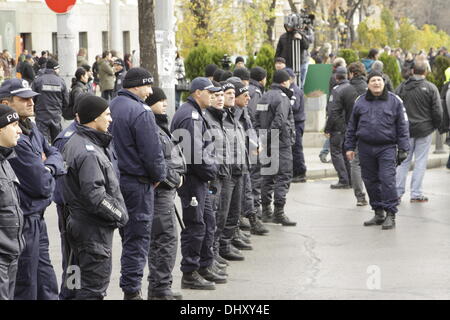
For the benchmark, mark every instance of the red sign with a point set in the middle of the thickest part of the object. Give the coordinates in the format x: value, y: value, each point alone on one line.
x: 60, y: 6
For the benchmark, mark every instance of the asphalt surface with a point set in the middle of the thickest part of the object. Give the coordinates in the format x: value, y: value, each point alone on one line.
x: 329, y: 254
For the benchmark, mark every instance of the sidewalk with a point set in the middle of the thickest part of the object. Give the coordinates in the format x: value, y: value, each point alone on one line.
x: 319, y: 170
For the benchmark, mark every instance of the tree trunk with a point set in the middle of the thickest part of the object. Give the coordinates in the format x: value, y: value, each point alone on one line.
x: 293, y: 7
x: 147, y: 41
x: 271, y: 23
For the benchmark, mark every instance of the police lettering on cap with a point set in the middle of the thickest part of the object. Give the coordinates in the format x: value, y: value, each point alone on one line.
x: 227, y: 86
x: 202, y: 83
x: 7, y: 115
x: 137, y: 77
x: 240, y: 88
x: 16, y: 87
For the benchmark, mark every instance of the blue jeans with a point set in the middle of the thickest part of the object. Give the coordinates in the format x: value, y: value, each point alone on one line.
x: 326, y: 147
x: 419, y: 147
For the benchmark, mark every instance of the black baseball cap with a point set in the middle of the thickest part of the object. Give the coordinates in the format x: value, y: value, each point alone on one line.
x: 202, y: 83
x: 16, y: 87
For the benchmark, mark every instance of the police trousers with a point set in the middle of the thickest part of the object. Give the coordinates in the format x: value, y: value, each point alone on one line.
x: 36, y: 279
x: 163, y: 244
x: 50, y: 128
x: 197, y: 238
x: 8, y: 271
x: 278, y: 183
x: 378, y: 168
x: 136, y: 234
x: 230, y: 210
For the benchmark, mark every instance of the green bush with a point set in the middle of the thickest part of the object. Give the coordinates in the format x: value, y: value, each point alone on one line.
x: 198, y: 58
x: 349, y: 55
x: 363, y: 54
x: 391, y: 69
x: 441, y: 64
x: 265, y: 59
x: 250, y: 61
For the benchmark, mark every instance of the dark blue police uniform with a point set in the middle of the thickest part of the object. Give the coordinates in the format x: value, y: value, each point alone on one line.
x: 36, y: 278
x: 141, y: 164
x: 378, y: 127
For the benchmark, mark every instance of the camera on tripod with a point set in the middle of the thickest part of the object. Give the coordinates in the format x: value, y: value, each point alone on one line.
x: 298, y: 21
x: 226, y: 62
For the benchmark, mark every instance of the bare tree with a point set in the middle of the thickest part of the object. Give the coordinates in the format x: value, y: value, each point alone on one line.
x: 271, y: 23
x: 147, y: 41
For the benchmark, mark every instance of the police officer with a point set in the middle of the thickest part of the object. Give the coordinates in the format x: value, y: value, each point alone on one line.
x: 298, y: 109
x: 36, y: 166
x: 11, y: 217
x: 274, y: 115
x: 190, y: 127
x: 242, y: 117
x: 339, y: 115
x: 119, y: 72
x: 335, y: 130
x: 215, y: 115
x: 92, y: 194
x: 164, y: 240
x: 53, y: 99
x: 258, y: 79
x: 379, y: 129
x: 142, y: 167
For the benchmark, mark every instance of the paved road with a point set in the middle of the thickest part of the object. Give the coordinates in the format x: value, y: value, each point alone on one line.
x: 329, y: 254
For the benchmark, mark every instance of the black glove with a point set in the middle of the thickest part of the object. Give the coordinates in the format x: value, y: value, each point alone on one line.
x: 401, y: 156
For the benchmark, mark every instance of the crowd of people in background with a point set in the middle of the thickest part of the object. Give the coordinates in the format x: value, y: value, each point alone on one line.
x: 241, y: 183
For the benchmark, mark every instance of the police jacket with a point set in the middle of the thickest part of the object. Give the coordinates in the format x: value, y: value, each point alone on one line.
x: 118, y: 84
x: 378, y: 121
x: 91, y: 186
x: 53, y: 98
x: 298, y: 107
x: 215, y: 118
x: 175, y: 163
x: 136, y: 139
x: 241, y: 115
x: 235, y: 135
x: 284, y: 47
x: 59, y: 143
x: 36, y: 176
x: 190, y: 128
x: 274, y: 111
x: 11, y: 217
x: 255, y: 90
x: 423, y: 106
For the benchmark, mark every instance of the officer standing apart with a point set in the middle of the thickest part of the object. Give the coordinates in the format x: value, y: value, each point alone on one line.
x: 53, y: 99
x: 274, y: 114
x: 197, y: 238
x: 92, y: 194
x: 379, y: 129
x: 142, y: 167
x: 164, y: 240
x: 11, y: 217
x: 36, y: 166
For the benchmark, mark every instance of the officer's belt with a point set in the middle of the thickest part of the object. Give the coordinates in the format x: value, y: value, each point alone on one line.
x: 141, y: 179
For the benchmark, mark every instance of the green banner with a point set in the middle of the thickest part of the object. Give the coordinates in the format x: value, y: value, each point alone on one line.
x: 318, y: 78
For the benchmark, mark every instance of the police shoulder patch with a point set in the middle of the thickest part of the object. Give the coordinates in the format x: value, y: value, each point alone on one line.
x: 396, y: 96
x: 146, y: 107
x: 68, y: 134
x: 90, y: 147
x: 283, y: 94
x: 195, y: 115
x: 259, y: 91
x: 356, y: 100
x: 262, y: 107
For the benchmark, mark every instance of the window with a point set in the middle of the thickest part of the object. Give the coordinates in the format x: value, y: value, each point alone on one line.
x: 105, y: 41
x: 126, y: 42
x: 83, y: 41
x: 54, y: 43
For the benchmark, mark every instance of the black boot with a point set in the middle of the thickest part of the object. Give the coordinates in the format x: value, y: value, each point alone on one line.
x: 209, y: 274
x: 132, y: 296
x: 377, y: 219
x: 256, y: 226
x: 243, y: 236
x: 221, y: 261
x: 267, y: 213
x: 244, y: 224
x: 389, y: 222
x: 193, y: 280
x: 281, y: 218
